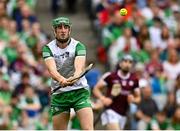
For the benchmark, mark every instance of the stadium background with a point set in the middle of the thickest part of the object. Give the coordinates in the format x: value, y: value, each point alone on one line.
x: 150, y: 32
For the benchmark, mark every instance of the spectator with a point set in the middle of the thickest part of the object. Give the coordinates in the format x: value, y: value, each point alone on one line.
x: 29, y: 102
x: 15, y: 113
x: 155, y: 33
x: 111, y: 32
x: 136, y: 23
x: 172, y: 67
x: 139, y: 71
x: 25, y: 80
x: 5, y: 92
x: 12, y: 28
x: 159, y: 122
x: 24, y: 12
x: 158, y: 87
x: 166, y: 38
x: 11, y: 50
x: 153, y: 63
x: 147, y: 108
x: 104, y: 15
x: 26, y: 30
x: 3, y: 26
x: 170, y: 104
x: 143, y: 35
x: 124, y: 44
x: 35, y: 39
x: 144, y: 54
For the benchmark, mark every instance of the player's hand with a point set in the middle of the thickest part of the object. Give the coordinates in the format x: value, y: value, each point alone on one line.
x: 63, y: 82
x: 130, y: 98
x: 97, y: 105
x: 71, y: 81
x: 106, y: 101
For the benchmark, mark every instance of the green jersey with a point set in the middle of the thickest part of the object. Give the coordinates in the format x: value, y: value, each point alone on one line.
x: 64, y: 59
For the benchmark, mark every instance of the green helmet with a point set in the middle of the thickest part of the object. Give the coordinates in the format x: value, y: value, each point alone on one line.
x: 61, y: 20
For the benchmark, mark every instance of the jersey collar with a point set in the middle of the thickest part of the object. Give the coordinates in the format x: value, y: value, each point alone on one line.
x: 69, y: 41
x: 123, y: 76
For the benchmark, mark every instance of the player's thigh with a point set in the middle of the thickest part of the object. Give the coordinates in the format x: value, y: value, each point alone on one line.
x: 60, y: 121
x: 112, y: 126
x: 85, y: 116
x: 122, y: 121
x: 110, y: 119
x: 82, y: 106
x: 81, y: 99
x: 60, y: 103
x: 60, y: 110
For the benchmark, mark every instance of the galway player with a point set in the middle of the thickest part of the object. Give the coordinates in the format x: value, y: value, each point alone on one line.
x: 122, y: 89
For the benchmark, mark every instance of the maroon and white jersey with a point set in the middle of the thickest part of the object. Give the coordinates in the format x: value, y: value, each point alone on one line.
x: 127, y: 85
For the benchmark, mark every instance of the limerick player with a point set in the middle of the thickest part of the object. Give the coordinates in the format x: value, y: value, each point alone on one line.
x: 65, y: 58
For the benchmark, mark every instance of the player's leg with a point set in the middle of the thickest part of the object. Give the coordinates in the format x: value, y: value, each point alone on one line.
x: 85, y: 116
x: 60, y: 121
x: 60, y: 110
x: 117, y: 121
x: 110, y: 119
x: 122, y: 121
x: 82, y: 106
x: 112, y: 126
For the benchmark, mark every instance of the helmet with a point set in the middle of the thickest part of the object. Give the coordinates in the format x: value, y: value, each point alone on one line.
x: 127, y: 57
x: 124, y: 58
x: 61, y: 20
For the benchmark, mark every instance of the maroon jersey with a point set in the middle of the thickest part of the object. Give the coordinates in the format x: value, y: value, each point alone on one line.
x: 127, y: 84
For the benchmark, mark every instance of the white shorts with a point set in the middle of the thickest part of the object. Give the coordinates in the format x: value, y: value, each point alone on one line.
x: 110, y: 116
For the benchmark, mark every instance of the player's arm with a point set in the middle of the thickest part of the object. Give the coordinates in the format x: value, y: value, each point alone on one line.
x: 80, y: 59
x: 97, y: 91
x: 51, y: 66
x: 79, y: 65
x: 135, y: 97
x: 142, y: 116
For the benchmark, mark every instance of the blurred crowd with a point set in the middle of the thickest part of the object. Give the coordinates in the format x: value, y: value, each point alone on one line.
x: 150, y: 33
x: 24, y: 82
